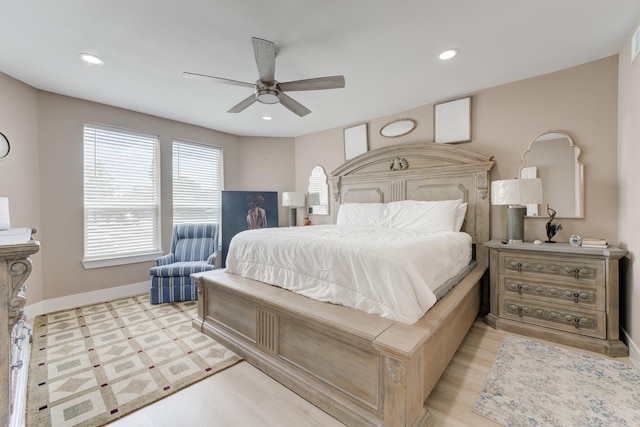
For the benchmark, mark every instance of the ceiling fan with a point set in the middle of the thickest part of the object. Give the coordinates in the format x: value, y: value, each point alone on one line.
x: 267, y: 89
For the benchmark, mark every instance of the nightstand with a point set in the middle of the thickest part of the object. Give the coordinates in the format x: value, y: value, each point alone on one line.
x: 557, y: 292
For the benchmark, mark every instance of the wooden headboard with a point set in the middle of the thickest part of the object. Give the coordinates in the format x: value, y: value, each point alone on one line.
x: 421, y: 171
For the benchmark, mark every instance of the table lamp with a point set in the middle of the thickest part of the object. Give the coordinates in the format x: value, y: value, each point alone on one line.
x: 515, y: 193
x: 292, y: 200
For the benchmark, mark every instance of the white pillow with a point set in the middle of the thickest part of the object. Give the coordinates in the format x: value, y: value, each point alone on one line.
x: 366, y: 214
x: 427, y: 216
x: 460, y: 214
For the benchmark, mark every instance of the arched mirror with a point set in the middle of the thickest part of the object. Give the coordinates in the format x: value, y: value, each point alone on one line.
x: 398, y: 128
x: 553, y: 157
x: 318, y: 198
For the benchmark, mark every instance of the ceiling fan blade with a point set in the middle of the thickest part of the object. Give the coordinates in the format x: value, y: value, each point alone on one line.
x: 243, y: 104
x: 332, y: 82
x: 293, y: 105
x: 196, y: 76
x: 265, y: 53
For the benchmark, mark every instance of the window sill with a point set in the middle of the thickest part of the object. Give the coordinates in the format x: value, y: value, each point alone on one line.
x: 89, y: 264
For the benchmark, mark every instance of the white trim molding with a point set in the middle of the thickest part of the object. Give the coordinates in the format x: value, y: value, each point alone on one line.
x: 86, y: 298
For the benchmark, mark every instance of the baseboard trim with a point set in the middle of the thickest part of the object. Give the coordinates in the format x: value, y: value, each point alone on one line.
x: 634, y: 351
x: 85, y: 298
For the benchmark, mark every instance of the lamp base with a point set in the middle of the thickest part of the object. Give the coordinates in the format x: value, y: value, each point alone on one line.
x: 515, y: 223
x: 293, y: 214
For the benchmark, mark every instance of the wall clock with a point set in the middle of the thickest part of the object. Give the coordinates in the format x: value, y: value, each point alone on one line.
x: 4, y: 146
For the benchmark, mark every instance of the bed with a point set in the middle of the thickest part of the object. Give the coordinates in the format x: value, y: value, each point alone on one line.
x: 362, y: 368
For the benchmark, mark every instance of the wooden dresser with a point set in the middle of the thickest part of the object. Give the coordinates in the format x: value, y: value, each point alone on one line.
x: 557, y: 292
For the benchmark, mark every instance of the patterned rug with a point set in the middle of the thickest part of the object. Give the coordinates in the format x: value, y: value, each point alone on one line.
x: 94, y: 364
x: 537, y: 384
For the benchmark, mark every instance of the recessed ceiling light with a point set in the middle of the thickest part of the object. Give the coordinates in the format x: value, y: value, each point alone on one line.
x: 91, y: 59
x: 448, y: 54
x: 266, y: 118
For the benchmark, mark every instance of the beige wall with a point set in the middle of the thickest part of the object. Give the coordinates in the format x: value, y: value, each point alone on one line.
x: 20, y: 170
x: 580, y: 101
x: 628, y: 179
x: 267, y: 165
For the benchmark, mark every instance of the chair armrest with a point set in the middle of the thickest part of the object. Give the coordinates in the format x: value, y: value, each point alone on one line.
x: 212, y: 258
x: 165, y: 259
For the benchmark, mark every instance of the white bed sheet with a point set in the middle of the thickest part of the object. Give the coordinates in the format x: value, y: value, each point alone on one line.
x: 388, y: 272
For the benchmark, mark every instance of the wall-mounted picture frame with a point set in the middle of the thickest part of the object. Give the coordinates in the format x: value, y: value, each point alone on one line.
x: 452, y: 121
x: 355, y: 141
x: 246, y: 210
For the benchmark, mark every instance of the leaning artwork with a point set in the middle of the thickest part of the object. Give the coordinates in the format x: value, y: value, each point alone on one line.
x: 246, y: 210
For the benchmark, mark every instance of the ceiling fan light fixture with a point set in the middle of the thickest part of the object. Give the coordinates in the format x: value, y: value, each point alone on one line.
x: 267, y: 89
x: 448, y: 54
x: 267, y: 118
x: 91, y: 59
x: 267, y: 96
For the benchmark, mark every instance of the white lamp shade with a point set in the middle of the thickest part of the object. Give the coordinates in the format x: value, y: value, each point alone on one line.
x: 292, y: 199
x: 516, y: 191
x: 314, y: 199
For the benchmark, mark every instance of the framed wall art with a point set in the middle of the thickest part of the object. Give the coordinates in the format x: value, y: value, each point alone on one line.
x: 452, y: 121
x: 355, y: 141
x: 246, y: 210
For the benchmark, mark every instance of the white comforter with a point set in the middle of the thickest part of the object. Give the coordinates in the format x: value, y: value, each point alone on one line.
x: 388, y: 272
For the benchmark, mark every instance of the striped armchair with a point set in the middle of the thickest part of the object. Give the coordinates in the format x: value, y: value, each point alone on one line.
x: 194, y: 248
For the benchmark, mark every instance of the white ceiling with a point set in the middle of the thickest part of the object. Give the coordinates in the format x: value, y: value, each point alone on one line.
x: 387, y: 51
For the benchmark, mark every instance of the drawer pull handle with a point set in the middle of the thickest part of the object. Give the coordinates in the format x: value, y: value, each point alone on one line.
x: 575, y: 297
x: 576, y: 322
x: 519, y: 267
x: 576, y: 271
x: 519, y: 288
x: 520, y: 311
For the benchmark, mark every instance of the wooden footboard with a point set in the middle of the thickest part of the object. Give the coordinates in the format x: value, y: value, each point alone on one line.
x: 360, y: 368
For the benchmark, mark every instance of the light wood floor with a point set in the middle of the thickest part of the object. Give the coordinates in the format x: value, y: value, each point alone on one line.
x: 243, y: 396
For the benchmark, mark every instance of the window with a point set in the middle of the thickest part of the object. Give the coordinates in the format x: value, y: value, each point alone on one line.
x: 121, y: 196
x: 197, y: 182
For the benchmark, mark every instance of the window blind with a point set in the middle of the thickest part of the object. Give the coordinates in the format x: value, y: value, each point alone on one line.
x: 197, y: 182
x: 121, y: 192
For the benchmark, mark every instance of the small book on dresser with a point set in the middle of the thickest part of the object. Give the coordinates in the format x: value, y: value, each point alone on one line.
x: 592, y: 242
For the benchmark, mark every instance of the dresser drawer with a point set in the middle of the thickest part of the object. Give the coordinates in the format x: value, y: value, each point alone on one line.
x: 582, y: 322
x: 582, y: 270
x: 573, y: 296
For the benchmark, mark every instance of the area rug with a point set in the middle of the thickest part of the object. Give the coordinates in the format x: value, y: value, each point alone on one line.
x: 536, y: 384
x: 91, y: 365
